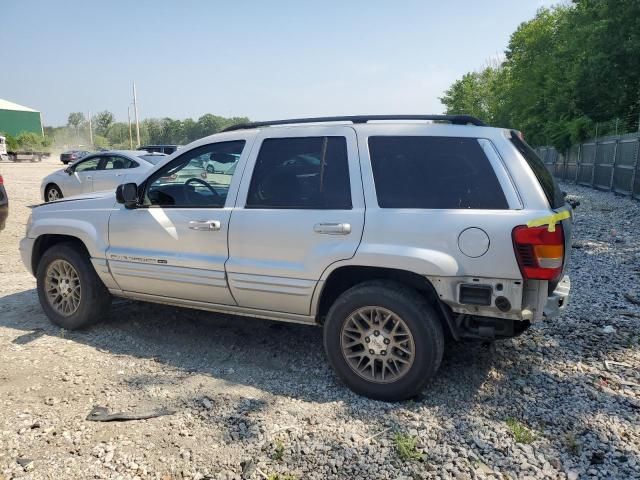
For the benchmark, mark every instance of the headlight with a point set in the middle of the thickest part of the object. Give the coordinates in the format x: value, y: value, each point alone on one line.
x: 29, y: 222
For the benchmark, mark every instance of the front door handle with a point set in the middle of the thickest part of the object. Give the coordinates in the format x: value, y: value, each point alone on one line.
x: 332, y: 228
x: 204, y: 225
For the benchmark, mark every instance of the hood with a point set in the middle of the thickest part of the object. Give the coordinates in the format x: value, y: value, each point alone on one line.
x: 93, y: 200
x: 56, y: 174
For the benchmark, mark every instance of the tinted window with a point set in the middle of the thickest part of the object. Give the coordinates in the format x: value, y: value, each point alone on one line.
x: 547, y: 182
x: 187, y: 182
x: 118, y: 163
x: 433, y: 172
x: 301, y: 173
x: 87, y: 165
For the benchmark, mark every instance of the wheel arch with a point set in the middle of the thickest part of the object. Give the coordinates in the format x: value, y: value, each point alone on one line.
x: 345, y: 277
x: 46, y: 241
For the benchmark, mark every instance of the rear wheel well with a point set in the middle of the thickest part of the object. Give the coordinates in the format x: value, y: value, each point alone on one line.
x: 45, y: 242
x: 343, y: 278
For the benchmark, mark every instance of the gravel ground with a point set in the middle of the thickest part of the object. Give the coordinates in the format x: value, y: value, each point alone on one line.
x: 255, y: 398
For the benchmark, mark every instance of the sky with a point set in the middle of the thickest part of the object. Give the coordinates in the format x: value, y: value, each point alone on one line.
x: 265, y: 59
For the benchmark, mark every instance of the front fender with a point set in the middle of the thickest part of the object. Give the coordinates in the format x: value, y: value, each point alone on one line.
x: 83, y: 230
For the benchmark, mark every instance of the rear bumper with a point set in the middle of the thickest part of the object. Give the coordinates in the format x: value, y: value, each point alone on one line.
x: 559, y: 299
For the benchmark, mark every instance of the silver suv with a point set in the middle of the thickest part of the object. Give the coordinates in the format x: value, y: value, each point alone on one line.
x: 391, y: 232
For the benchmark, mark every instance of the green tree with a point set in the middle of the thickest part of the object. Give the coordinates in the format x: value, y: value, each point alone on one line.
x: 103, y: 122
x: 74, y: 120
x: 565, y: 70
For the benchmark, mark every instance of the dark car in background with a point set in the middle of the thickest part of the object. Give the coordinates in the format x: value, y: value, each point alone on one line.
x: 167, y: 149
x: 71, y: 156
x: 4, y: 204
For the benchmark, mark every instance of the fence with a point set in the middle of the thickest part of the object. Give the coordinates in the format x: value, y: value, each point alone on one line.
x: 606, y: 163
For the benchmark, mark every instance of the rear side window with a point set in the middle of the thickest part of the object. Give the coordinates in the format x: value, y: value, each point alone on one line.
x: 546, y: 180
x: 301, y: 173
x: 434, y: 172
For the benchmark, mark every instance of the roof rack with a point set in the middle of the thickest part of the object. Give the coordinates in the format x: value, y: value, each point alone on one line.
x: 453, y: 119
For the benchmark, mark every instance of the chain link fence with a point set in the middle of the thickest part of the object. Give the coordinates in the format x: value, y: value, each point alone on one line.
x: 606, y: 163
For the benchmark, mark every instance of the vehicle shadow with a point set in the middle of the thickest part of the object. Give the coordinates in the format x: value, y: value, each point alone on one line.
x: 279, y: 358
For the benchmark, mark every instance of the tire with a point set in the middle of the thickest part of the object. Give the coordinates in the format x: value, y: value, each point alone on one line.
x: 52, y: 192
x: 93, y: 299
x: 420, y: 321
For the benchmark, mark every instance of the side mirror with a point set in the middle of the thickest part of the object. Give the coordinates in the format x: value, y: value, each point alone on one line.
x: 68, y: 170
x: 127, y: 194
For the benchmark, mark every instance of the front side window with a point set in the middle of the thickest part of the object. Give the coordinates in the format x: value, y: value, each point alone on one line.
x: 301, y: 173
x: 434, y: 172
x: 188, y: 181
x: 87, y: 165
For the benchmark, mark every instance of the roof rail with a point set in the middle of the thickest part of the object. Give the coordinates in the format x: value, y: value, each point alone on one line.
x: 454, y: 119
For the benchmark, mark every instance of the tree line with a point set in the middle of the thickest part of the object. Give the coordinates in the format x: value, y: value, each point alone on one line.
x: 107, y: 133
x: 570, y: 73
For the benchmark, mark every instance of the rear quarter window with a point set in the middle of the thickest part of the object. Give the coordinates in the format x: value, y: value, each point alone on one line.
x: 545, y: 179
x: 433, y: 173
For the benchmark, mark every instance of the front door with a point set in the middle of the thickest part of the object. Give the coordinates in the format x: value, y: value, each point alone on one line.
x: 113, y: 170
x: 175, y: 244
x: 300, y: 208
x: 83, y: 172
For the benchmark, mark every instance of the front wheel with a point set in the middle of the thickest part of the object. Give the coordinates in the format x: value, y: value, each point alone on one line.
x: 383, y: 340
x: 70, y: 292
x: 52, y: 193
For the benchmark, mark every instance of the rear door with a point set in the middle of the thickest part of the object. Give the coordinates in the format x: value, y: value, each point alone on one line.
x: 300, y: 208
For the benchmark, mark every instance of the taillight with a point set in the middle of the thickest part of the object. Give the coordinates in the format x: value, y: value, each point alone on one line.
x: 540, y: 253
x: 1, y: 180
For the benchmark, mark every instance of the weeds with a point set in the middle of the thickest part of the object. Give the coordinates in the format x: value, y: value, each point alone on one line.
x: 572, y: 443
x: 520, y: 432
x: 278, y: 451
x: 277, y: 476
x: 406, y: 447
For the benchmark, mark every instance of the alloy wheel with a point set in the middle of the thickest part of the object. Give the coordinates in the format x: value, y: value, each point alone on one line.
x: 62, y: 286
x: 53, y: 195
x: 377, y: 344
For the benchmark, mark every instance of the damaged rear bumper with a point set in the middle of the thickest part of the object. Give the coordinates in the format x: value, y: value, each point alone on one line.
x: 558, y: 300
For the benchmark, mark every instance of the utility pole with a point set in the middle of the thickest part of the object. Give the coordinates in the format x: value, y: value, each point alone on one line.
x: 130, y: 134
x: 90, y: 130
x: 135, y: 110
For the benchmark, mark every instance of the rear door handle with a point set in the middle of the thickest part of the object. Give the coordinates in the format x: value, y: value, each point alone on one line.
x: 204, y: 225
x: 332, y: 228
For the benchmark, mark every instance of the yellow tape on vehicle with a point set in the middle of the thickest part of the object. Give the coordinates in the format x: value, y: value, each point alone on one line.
x: 551, y: 220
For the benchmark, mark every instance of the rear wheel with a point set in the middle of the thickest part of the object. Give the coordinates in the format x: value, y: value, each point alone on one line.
x: 70, y: 292
x: 384, y: 340
x: 52, y: 193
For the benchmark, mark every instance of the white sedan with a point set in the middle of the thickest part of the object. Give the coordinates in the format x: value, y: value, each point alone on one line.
x: 98, y: 171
